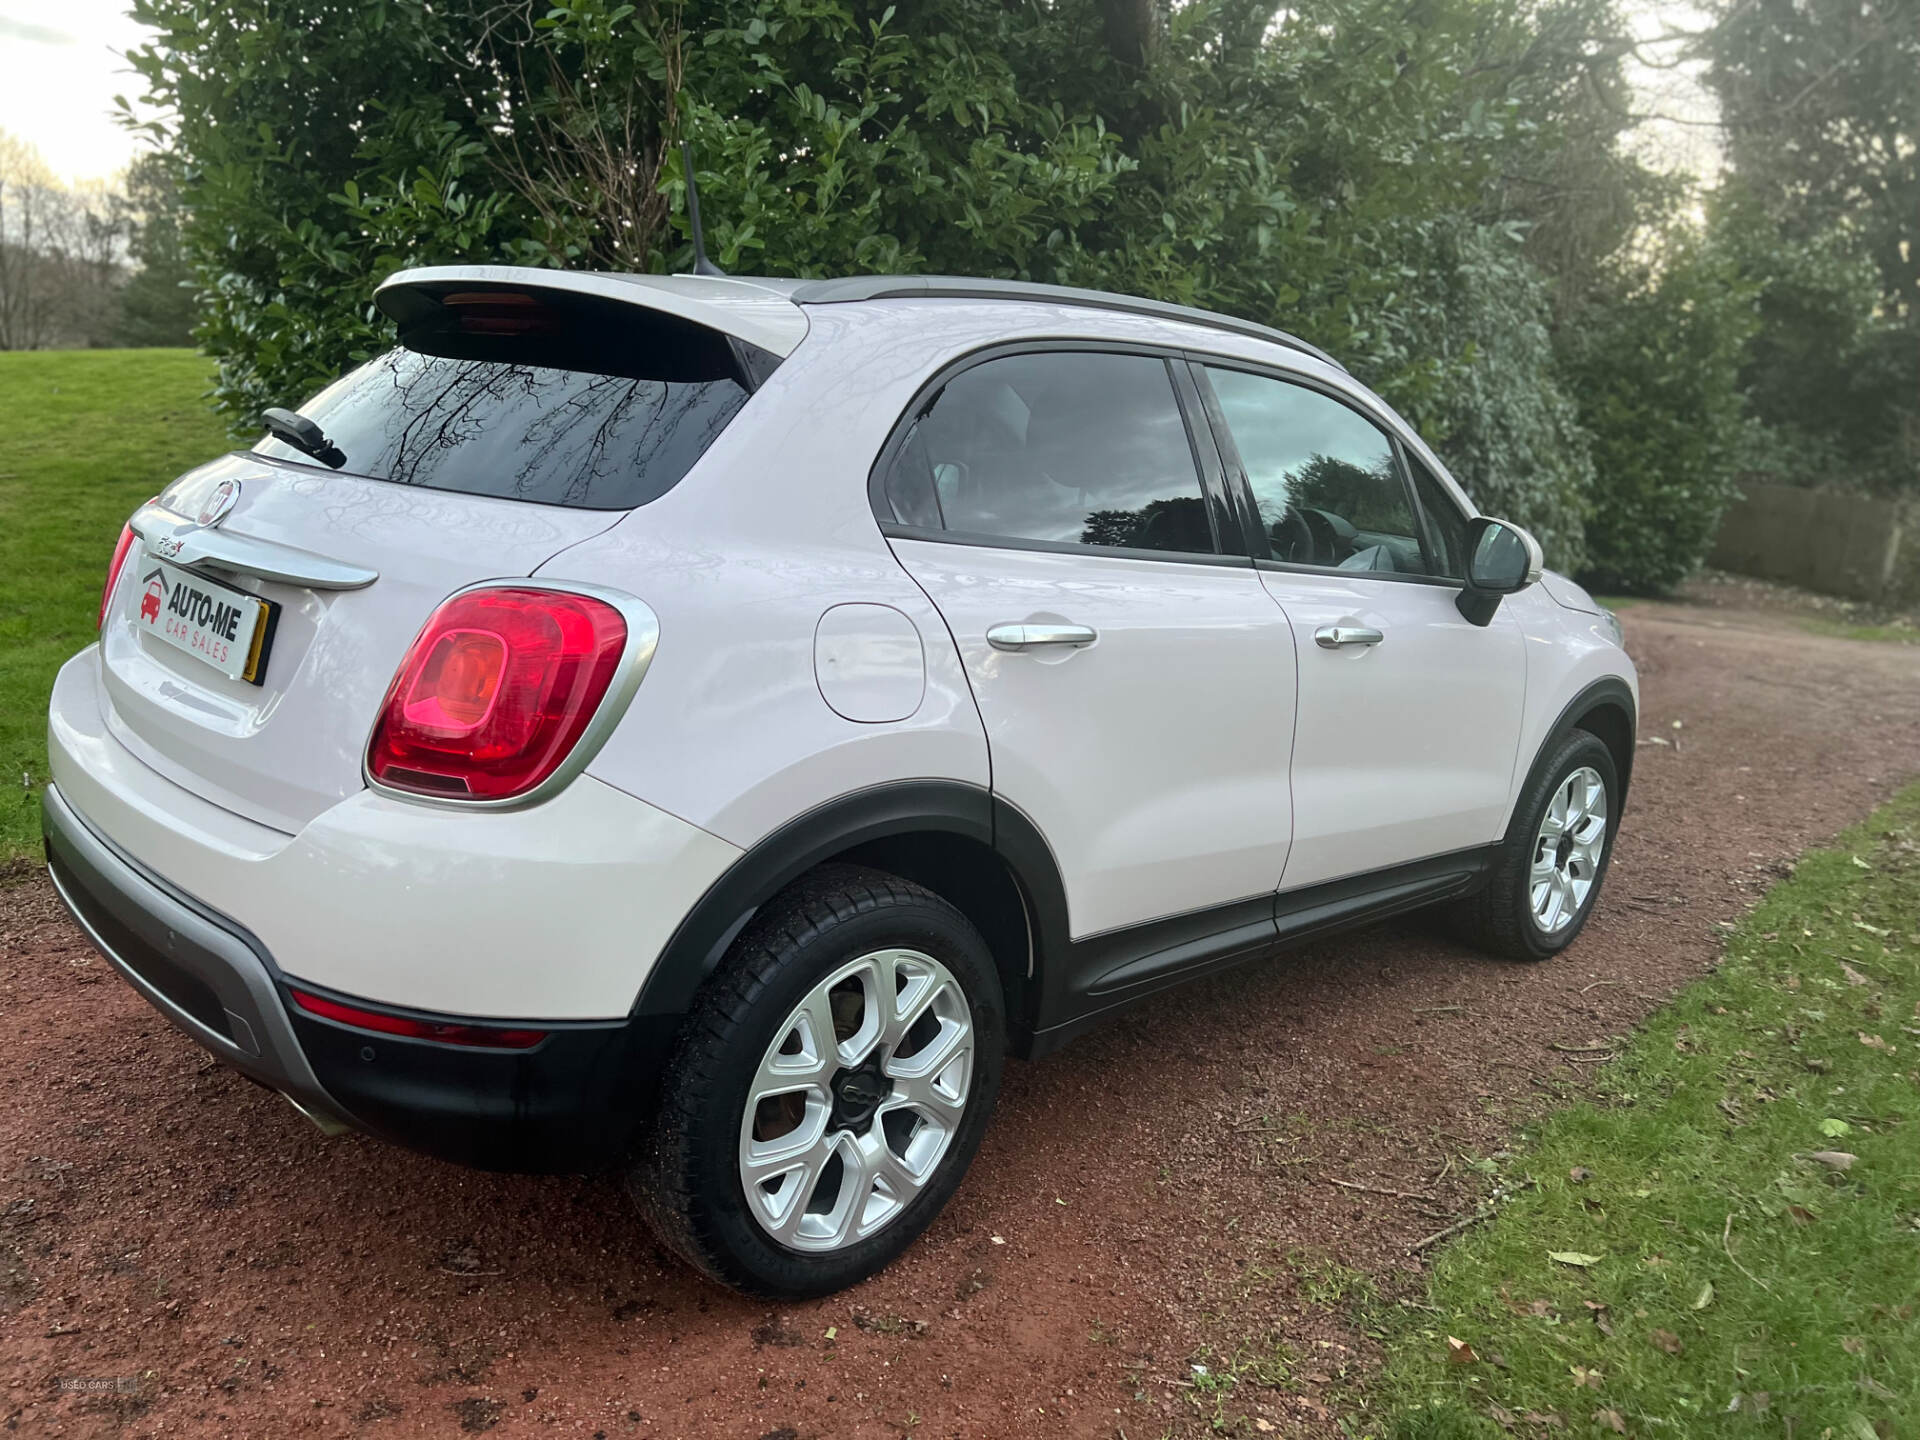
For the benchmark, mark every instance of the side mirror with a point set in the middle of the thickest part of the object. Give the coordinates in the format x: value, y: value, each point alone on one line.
x: 1501, y: 558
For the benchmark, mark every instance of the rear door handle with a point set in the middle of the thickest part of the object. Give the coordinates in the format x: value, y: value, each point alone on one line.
x: 1332, y: 637
x: 1027, y: 637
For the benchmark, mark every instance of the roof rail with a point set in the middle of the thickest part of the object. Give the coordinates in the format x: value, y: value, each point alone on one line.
x: 964, y: 287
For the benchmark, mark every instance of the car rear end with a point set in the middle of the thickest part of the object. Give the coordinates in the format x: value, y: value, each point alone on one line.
x: 317, y: 792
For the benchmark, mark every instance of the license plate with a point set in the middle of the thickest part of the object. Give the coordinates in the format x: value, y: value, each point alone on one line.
x: 226, y: 628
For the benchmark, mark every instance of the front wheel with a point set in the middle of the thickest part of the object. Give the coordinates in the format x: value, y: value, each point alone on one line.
x: 830, y: 1089
x: 1547, y: 873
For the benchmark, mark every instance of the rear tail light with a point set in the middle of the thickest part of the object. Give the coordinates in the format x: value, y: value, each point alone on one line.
x: 495, y: 693
x: 496, y: 1037
x: 120, y: 549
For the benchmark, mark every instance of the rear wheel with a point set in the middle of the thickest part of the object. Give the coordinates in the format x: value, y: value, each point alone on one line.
x: 1547, y: 874
x: 830, y: 1088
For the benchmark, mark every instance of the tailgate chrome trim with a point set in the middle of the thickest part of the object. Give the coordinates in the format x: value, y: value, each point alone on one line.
x: 177, y: 539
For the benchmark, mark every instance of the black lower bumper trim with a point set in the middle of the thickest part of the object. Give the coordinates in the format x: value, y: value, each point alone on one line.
x: 574, y: 1102
x: 571, y: 1103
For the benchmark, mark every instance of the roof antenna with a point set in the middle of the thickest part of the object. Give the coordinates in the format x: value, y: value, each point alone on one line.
x: 701, y: 264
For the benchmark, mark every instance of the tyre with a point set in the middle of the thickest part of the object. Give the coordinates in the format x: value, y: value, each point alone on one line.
x: 830, y: 1087
x: 1548, y: 871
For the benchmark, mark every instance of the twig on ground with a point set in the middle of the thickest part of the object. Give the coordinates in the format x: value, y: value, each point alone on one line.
x: 1577, y: 1049
x: 1453, y: 1229
x: 1377, y: 1189
x: 1439, y: 1010
x: 1598, y: 983
x: 1726, y: 1244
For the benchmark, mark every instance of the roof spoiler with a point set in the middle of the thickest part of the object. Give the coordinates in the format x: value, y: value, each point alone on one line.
x: 751, y: 314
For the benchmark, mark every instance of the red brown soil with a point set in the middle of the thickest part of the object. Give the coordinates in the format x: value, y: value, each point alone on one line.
x: 1161, y: 1186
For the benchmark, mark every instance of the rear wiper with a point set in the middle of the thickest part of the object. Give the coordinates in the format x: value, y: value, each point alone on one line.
x: 298, y: 431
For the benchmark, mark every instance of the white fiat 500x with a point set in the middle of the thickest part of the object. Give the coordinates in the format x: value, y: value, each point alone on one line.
x: 704, y: 725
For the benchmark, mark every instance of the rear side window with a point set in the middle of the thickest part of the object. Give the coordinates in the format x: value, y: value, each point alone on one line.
x: 601, y: 413
x: 1072, y: 448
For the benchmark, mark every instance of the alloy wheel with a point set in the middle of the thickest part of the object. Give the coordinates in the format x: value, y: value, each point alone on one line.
x: 857, y: 1100
x: 1567, y: 851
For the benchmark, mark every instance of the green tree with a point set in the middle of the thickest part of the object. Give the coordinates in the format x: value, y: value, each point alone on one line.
x: 156, y: 302
x: 1656, y: 374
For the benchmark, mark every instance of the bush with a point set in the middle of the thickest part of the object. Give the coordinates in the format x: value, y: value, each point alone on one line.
x: 1654, y: 369
x: 1497, y: 412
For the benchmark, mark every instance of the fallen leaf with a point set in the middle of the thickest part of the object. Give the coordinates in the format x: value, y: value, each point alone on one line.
x: 1582, y: 1376
x: 1873, y: 930
x: 1548, y: 1421
x: 832, y: 1330
x: 1460, y: 1352
x: 1861, y: 863
x: 998, y: 1240
x: 1835, y: 1129
x: 1579, y: 1174
x: 1801, y: 1215
x: 1834, y: 1159
x: 1574, y: 1257
x: 1874, y: 1042
x: 1854, y: 977
x: 1265, y: 1427
x: 1853, y: 1345
x: 1705, y: 1297
x: 1668, y: 1341
x: 1612, y: 1419
x: 1540, y: 1307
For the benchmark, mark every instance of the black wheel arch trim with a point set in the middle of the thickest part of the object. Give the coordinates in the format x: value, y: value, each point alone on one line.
x: 899, y: 807
x: 1608, y: 692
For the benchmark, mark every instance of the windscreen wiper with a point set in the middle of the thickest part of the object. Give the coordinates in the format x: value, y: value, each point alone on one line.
x: 297, y: 430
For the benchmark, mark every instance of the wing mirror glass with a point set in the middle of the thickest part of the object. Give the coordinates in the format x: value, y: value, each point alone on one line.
x: 1501, y: 558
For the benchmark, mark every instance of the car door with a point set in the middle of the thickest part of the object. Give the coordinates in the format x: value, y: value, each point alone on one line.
x: 1135, y: 680
x: 1409, y: 716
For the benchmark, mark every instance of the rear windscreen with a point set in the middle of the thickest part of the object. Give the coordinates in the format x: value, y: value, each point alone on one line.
x: 518, y: 419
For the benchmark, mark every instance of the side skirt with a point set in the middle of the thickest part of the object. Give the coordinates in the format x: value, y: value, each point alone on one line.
x: 1106, y: 974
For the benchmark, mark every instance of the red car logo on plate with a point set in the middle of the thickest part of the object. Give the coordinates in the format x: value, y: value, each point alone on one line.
x: 150, y: 602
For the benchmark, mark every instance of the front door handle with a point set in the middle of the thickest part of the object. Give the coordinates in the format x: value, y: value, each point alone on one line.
x: 1026, y: 637
x: 1332, y: 637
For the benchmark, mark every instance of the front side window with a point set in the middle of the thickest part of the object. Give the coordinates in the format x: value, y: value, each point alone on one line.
x: 1075, y: 448
x: 1323, y: 476
x: 1446, y: 526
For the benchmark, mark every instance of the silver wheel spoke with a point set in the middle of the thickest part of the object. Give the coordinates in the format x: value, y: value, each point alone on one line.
x: 1568, y: 849
x: 818, y: 1176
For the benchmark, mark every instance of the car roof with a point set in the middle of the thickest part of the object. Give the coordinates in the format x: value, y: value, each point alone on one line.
x: 963, y: 287
x: 770, y: 312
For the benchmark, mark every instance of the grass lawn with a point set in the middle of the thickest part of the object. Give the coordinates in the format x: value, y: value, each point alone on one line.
x: 1726, y: 1241
x: 1894, y: 632
x: 85, y: 437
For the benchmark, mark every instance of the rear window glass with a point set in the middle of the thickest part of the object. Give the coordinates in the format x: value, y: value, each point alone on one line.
x: 522, y: 431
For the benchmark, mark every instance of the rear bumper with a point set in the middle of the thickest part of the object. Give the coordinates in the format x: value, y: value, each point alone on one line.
x: 572, y: 1102
x: 201, y: 971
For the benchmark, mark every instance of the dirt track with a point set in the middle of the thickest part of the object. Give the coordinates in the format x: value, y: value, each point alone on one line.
x: 1161, y: 1186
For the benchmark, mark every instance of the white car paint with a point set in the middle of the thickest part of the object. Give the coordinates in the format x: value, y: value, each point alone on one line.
x: 1406, y: 748
x: 543, y: 913
x: 284, y: 752
x: 1154, y: 759
x: 869, y: 663
x: 1165, y: 764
